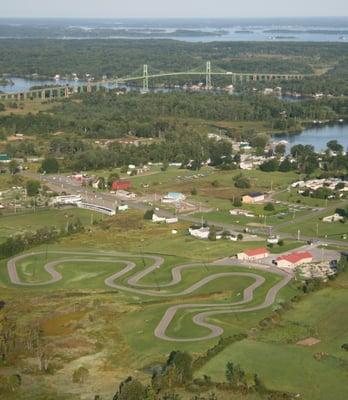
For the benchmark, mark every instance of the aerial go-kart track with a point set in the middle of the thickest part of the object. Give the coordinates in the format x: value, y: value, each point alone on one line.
x: 131, y: 276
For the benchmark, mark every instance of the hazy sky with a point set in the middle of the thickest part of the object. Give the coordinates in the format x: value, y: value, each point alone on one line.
x: 172, y: 8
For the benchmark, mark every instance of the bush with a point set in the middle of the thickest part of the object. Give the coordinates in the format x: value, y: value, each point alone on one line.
x: 130, y: 389
x: 50, y: 165
x: 80, y: 375
x: 149, y: 214
x: 212, y: 233
x: 194, y: 192
x: 242, y: 182
x: 269, y: 207
x: 344, y: 346
x: 237, y: 202
x: 33, y: 187
x: 270, y: 166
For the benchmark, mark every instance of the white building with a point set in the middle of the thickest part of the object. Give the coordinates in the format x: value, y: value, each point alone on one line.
x: 253, y: 254
x: 333, y: 218
x: 66, y: 200
x: 156, y: 218
x: 202, y: 233
x: 173, y: 197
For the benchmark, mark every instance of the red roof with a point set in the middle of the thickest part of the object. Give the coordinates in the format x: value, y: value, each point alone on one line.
x: 295, y: 257
x: 256, y: 252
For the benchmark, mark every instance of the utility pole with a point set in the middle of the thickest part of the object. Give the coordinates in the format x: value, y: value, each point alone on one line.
x: 208, y: 84
x: 145, y: 78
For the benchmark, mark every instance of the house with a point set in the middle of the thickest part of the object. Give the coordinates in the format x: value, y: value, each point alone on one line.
x: 292, y: 260
x: 156, y: 218
x: 333, y: 218
x: 173, y: 220
x: 246, y: 165
x: 252, y: 198
x: 245, y: 146
x: 120, y: 185
x: 123, y: 207
x: 202, y: 233
x: 66, y: 200
x: 253, y: 254
x: 4, y: 158
x: 173, y: 197
x: 273, y: 239
x: 242, y: 213
x: 125, y: 193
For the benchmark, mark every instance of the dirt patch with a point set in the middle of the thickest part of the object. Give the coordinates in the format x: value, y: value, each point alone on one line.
x: 311, y: 341
x: 61, y: 324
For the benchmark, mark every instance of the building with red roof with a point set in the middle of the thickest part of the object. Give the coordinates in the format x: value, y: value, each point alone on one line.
x: 292, y: 260
x: 253, y: 254
x: 120, y: 185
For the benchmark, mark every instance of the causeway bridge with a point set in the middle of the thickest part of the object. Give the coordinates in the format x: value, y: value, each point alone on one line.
x: 144, y: 77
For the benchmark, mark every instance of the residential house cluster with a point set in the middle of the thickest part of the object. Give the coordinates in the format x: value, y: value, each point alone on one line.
x: 334, y: 184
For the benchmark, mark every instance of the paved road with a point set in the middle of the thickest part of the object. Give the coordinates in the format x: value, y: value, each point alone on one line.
x: 136, y: 287
x: 63, y: 183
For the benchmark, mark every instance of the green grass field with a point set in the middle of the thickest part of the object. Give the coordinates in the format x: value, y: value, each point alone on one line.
x: 294, y: 197
x: 110, y: 331
x: 315, y: 227
x: 12, y: 224
x: 284, y: 365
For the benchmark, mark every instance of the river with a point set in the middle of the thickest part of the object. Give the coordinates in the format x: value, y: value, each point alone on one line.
x: 318, y: 136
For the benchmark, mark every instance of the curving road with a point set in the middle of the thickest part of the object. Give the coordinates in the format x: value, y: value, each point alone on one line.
x: 135, y: 286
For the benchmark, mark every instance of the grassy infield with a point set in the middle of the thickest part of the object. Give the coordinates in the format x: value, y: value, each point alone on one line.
x: 273, y: 353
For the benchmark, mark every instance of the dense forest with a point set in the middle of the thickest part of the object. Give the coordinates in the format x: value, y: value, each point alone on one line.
x: 108, y: 115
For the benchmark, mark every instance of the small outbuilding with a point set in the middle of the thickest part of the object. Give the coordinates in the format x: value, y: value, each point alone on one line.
x: 252, y: 198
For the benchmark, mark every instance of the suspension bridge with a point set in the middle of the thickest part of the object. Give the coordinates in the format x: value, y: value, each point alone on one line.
x: 144, y: 77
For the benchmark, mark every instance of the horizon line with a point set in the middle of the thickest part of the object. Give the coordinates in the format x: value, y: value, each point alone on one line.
x: 148, y: 17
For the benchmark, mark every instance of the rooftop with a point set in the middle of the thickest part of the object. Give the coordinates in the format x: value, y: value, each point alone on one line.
x: 255, y: 252
x: 254, y: 194
x: 295, y: 257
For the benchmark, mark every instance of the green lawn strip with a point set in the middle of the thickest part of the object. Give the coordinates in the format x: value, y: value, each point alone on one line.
x: 283, y: 367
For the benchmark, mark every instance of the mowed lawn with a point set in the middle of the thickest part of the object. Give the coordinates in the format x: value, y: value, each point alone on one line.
x: 315, y: 227
x: 284, y: 365
x: 12, y: 224
x: 208, y: 181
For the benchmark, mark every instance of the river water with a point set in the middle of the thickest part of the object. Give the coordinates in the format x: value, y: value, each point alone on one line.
x: 318, y: 136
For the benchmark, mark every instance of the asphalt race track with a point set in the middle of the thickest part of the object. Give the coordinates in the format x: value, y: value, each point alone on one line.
x: 135, y: 286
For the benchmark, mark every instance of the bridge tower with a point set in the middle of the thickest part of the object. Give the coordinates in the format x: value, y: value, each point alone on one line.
x: 208, y: 84
x: 145, y: 78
